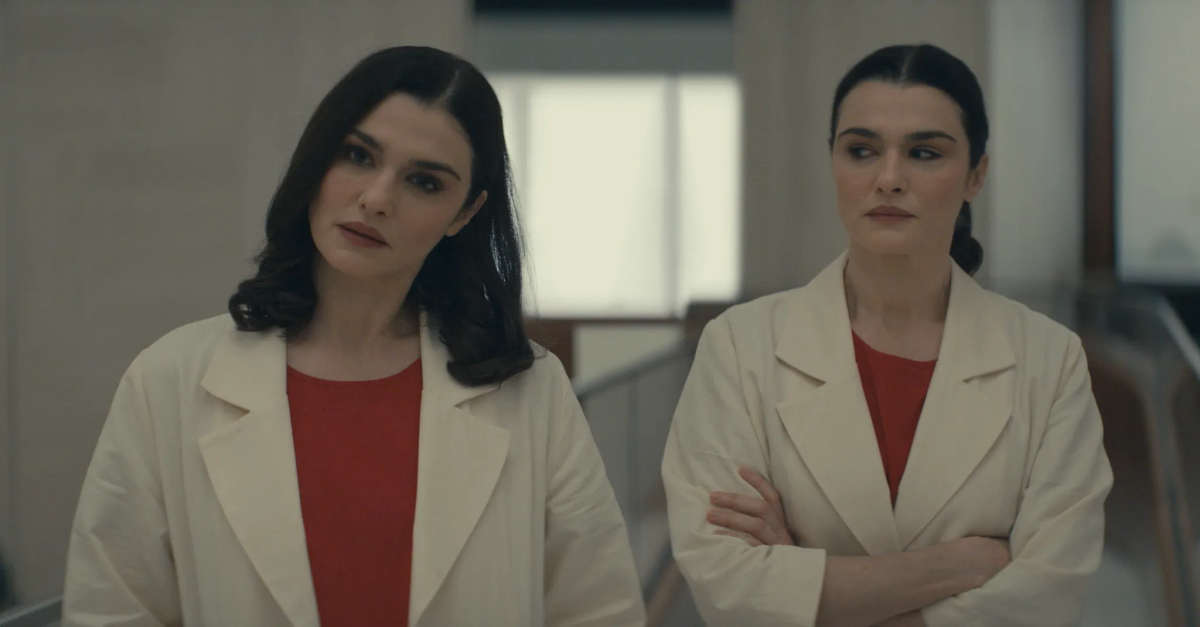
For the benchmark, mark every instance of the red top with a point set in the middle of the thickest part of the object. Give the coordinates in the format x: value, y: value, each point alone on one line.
x: 895, y: 388
x: 356, y: 461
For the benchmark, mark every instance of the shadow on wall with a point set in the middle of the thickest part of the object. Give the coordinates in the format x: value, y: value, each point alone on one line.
x: 8, y: 598
x: 1186, y: 301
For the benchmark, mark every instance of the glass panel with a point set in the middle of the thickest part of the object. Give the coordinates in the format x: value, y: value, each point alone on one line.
x: 710, y: 189
x: 609, y: 412
x: 629, y: 189
x: 1146, y: 379
x: 595, y: 202
x: 630, y: 416
x: 1158, y: 95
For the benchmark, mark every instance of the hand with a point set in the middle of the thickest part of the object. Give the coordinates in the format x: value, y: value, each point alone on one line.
x: 758, y: 521
x: 979, y: 559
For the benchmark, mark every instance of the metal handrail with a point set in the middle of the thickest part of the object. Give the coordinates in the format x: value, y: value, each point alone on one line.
x: 1174, y: 484
x: 1167, y: 485
x: 1110, y: 314
x: 665, y: 582
x: 1178, y: 332
x: 634, y: 371
x: 49, y: 612
x: 40, y: 615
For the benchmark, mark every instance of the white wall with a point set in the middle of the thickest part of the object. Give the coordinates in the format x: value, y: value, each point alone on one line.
x: 6, y: 458
x: 143, y: 140
x: 1035, y: 99
x: 1158, y: 104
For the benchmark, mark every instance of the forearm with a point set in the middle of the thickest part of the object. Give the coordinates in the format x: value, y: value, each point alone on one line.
x: 865, y: 591
x: 1026, y: 594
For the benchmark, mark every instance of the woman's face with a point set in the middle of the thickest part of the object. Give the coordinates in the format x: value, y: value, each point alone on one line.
x: 397, y: 186
x: 901, y: 163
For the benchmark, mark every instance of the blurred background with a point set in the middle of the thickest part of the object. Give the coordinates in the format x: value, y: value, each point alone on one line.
x: 670, y: 160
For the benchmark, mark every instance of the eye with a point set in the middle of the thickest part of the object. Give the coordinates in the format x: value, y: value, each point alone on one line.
x: 426, y: 182
x: 357, y: 155
x: 924, y: 154
x: 858, y: 151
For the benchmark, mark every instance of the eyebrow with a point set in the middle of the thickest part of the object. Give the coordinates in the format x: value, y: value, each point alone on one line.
x: 366, y: 139
x: 912, y: 137
x: 423, y: 164
x: 436, y: 166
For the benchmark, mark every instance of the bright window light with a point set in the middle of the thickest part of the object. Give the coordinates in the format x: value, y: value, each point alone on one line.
x: 628, y: 188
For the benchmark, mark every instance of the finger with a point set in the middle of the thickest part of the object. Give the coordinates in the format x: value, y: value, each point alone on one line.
x: 758, y: 482
x: 750, y: 505
x: 750, y: 525
x: 748, y: 539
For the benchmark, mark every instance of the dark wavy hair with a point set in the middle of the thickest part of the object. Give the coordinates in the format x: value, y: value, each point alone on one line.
x: 470, y: 284
x: 929, y: 65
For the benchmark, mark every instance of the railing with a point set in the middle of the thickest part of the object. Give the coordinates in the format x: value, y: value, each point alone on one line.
x: 1166, y: 361
x: 1146, y: 376
x: 1146, y: 379
x: 1147, y: 373
x: 45, y: 614
x: 630, y: 414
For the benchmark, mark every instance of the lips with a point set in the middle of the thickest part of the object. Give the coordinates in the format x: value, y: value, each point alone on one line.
x: 888, y: 211
x: 358, y: 228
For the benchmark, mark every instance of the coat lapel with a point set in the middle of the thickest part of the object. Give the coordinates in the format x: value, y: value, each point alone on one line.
x: 831, y: 426
x: 251, y: 463
x: 460, y: 461
x: 967, y: 407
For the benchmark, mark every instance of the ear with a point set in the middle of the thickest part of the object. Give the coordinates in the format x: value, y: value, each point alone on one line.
x: 464, y: 216
x: 975, y: 179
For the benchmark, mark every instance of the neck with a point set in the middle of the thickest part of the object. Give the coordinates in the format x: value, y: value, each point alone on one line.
x: 358, y: 315
x: 897, y: 290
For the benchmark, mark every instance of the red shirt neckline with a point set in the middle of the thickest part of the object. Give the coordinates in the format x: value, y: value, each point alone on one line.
x: 308, y: 378
x: 357, y: 446
x: 888, y: 357
x: 895, y: 390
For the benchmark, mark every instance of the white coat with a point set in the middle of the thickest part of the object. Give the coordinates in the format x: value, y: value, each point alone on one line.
x: 1009, y: 444
x: 190, y: 512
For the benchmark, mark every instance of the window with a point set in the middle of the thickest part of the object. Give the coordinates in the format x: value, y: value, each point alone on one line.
x: 1158, y: 91
x: 629, y: 190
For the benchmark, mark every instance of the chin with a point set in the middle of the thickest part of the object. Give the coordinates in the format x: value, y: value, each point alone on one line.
x: 351, y: 264
x: 887, y: 244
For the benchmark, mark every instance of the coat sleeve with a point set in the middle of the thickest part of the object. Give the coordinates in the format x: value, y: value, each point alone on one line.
x: 1058, y: 537
x: 713, y: 433
x: 120, y: 570
x: 590, y: 575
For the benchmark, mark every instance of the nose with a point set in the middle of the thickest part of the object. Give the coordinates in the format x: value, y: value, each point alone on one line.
x: 893, y: 177
x: 378, y: 197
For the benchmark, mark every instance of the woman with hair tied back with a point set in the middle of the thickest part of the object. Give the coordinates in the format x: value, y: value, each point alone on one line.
x: 368, y: 437
x: 891, y: 444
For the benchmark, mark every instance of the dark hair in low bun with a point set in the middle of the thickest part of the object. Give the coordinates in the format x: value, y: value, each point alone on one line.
x: 929, y: 65
x: 966, y: 251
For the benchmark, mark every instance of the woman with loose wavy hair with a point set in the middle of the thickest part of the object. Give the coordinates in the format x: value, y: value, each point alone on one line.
x: 470, y: 283
x: 368, y: 437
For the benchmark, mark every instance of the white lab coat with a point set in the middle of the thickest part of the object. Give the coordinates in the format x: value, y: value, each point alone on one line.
x: 190, y: 513
x: 1009, y: 444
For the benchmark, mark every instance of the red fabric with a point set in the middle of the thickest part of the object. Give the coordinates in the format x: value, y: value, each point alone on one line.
x: 895, y: 389
x: 356, y: 460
